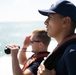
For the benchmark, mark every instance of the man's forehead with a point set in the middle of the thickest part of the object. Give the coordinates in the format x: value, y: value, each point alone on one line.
x: 54, y: 14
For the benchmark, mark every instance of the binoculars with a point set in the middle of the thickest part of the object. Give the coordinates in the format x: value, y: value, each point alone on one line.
x: 8, y: 51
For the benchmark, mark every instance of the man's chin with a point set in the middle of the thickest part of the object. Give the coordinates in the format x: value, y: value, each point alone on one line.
x: 32, y: 51
x: 48, y: 34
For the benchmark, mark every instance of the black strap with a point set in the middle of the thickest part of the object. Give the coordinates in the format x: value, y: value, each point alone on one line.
x: 53, y: 58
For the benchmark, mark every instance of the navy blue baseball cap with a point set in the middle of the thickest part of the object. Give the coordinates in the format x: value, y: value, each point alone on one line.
x: 65, y: 8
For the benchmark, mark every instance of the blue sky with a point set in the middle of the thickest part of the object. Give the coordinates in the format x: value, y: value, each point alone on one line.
x: 23, y: 10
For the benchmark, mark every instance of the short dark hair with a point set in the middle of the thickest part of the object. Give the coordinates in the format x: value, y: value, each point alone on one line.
x: 42, y: 36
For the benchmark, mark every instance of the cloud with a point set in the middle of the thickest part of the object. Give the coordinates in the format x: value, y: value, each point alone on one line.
x: 21, y: 2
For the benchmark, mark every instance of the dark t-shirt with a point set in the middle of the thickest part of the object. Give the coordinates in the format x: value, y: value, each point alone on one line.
x: 67, y: 63
x: 33, y: 67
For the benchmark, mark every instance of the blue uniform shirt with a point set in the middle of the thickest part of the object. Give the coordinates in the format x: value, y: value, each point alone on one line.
x: 67, y: 63
x: 33, y: 67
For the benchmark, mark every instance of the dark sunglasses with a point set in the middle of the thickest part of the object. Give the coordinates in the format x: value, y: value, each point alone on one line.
x: 32, y: 41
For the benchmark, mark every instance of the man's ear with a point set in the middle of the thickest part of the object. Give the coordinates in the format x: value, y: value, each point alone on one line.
x: 40, y: 44
x: 66, y: 21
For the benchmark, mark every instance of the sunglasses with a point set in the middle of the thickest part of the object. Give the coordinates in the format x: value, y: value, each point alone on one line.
x: 32, y: 41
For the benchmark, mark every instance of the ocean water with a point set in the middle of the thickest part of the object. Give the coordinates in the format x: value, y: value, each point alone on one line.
x: 15, y: 32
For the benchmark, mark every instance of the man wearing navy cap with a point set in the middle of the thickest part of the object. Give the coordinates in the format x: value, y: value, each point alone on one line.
x: 60, y: 24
